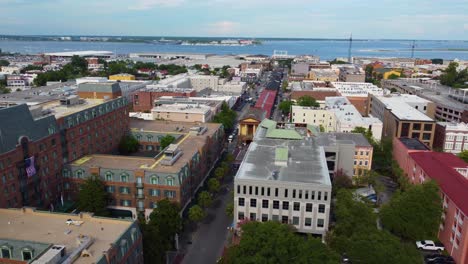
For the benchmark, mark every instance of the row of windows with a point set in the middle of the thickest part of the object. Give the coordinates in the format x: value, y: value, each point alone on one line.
x: 285, y: 205
x: 361, y: 153
x: 361, y: 162
x: 151, y: 192
x: 124, y: 177
x: 284, y: 219
x: 93, y: 113
x: 26, y: 253
x: 267, y: 191
x: 458, y: 146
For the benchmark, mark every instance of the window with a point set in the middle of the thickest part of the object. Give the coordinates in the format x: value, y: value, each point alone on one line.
x: 313, y: 195
x: 325, y: 196
x: 286, y: 193
x: 294, y: 193
x: 154, y: 180
x: 426, y: 136
x: 268, y: 189
x: 274, y: 218
x: 284, y: 219
x: 264, y: 203
x: 241, y: 201
x: 110, y: 189
x: 308, y: 207
x: 240, y: 215
x: 6, y: 252
x: 319, y: 196
x: 170, y: 194
x: 276, y: 192
x: 427, y: 127
x: 416, y: 126
x: 79, y: 174
x: 245, y: 189
x: 296, y: 206
x: 253, y: 202
x: 124, y: 178
x: 285, y: 205
x: 275, y: 204
x: 321, y: 208
x: 307, y: 194
x: 109, y: 176
x: 154, y: 192
x: 300, y: 194
x: 124, y: 190
x: 263, y: 191
x: 169, y: 181
x: 253, y: 216
x: 27, y: 254
x: 256, y: 190
x: 238, y: 189
x: 264, y: 217
x: 320, y: 222
x: 308, y: 221
x: 295, y: 220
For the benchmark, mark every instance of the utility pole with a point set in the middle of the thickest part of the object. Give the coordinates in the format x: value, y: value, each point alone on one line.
x: 349, y: 49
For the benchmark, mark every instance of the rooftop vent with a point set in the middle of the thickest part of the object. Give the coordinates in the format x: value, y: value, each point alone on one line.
x: 171, y: 155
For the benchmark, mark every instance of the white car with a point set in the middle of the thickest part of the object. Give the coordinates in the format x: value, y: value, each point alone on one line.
x: 429, y: 245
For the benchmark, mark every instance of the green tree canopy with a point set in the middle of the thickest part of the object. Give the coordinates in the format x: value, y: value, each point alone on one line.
x: 4, y: 63
x: 273, y: 242
x: 213, y: 185
x: 196, y: 213
x: 204, y: 199
x: 166, y: 141
x: 226, y: 116
x: 307, y: 101
x: 219, y: 173
x: 367, y: 133
x: 415, y: 213
x: 128, y: 144
x: 285, y: 106
x: 454, y: 78
x: 463, y: 155
x: 393, y: 76
x: 356, y: 234
x: 93, y: 196
x: 230, y: 209
x: 284, y: 86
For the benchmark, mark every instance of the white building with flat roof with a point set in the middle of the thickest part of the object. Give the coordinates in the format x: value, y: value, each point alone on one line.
x: 183, y: 113
x: 284, y: 177
x: 357, y: 89
x: 451, y: 137
x: 403, y: 106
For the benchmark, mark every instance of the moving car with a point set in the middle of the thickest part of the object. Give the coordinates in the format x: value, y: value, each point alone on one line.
x: 429, y: 245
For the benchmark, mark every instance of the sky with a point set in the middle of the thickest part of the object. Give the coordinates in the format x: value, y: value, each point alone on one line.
x: 365, y: 19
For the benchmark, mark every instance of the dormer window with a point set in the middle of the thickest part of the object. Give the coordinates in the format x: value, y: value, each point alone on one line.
x: 27, y: 254
x: 5, y: 252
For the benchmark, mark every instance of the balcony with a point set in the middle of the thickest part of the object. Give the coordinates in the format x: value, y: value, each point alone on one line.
x: 140, y: 208
x: 139, y: 185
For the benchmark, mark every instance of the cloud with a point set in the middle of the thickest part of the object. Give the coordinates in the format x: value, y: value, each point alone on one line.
x: 223, y: 28
x: 149, y: 4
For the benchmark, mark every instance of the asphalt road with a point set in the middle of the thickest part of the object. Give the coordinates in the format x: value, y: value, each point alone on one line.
x: 210, y: 237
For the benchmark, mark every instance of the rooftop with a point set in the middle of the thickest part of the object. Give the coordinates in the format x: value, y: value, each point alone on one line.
x: 413, y: 144
x: 298, y: 161
x: 454, y: 126
x: 51, y: 228
x: 399, y: 105
x: 39, y: 95
x: 59, y: 110
x: 347, y: 113
x: 357, y: 89
x: 189, y: 143
x: 442, y: 167
x: 182, y: 108
x: 357, y: 138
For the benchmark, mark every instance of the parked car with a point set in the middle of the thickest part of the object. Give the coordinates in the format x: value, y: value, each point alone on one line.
x: 437, y: 258
x: 429, y: 245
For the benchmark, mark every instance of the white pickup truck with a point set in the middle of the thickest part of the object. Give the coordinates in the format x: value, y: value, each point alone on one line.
x: 429, y: 245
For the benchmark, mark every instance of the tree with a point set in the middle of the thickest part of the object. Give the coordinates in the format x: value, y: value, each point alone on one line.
x: 454, y: 78
x: 204, y: 199
x: 341, y: 181
x: 336, y: 61
x: 463, y: 155
x: 321, y: 128
x: 159, y: 233
x: 307, y: 101
x: 227, y: 117
x: 128, y: 144
x: 196, y: 213
x: 229, y: 158
x: 273, y: 242
x: 213, y: 185
x: 230, y: 209
x: 219, y: 173
x: 393, y: 76
x: 79, y: 64
x: 415, y: 213
x: 356, y: 234
x: 4, y: 63
x: 166, y: 141
x: 285, y: 106
x: 284, y: 86
x: 367, y: 133
x: 93, y: 196
x: 369, y: 73
x: 31, y: 68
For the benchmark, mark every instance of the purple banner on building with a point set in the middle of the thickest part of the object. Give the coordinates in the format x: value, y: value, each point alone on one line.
x: 30, y: 168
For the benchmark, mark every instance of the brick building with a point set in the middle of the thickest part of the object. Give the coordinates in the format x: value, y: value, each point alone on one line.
x: 137, y: 183
x: 99, y: 90
x: 144, y: 100
x: 451, y: 174
x: 35, y: 143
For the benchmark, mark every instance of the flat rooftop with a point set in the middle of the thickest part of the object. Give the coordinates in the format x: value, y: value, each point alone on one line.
x: 295, y: 159
x: 413, y: 144
x: 189, y: 143
x: 40, y: 94
x: 401, y: 108
x: 182, y: 108
x: 51, y: 228
x: 59, y: 110
x: 357, y: 89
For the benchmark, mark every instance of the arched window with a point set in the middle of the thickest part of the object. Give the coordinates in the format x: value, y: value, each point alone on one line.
x: 27, y: 254
x: 154, y: 179
x: 124, y: 177
x: 109, y: 176
x: 5, y: 251
x: 170, y: 181
x: 66, y: 173
x: 79, y: 174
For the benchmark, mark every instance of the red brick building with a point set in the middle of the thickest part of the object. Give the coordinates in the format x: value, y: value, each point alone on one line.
x: 144, y: 100
x: 451, y: 174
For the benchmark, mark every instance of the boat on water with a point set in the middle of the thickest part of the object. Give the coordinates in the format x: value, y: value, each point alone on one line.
x: 164, y: 41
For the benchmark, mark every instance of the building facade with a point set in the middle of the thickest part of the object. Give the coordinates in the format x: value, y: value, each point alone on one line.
x: 143, y: 101
x: 451, y: 137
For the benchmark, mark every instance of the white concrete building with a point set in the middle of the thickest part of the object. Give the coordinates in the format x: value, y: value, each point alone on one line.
x: 284, y: 177
x: 183, y: 113
x: 13, y: 69
x: 357, y: 89
x: 314, y: 116
x: 451, y: 137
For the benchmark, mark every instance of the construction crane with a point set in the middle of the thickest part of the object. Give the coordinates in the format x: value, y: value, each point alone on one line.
x: 350, y: 46
x: 412, y: 48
